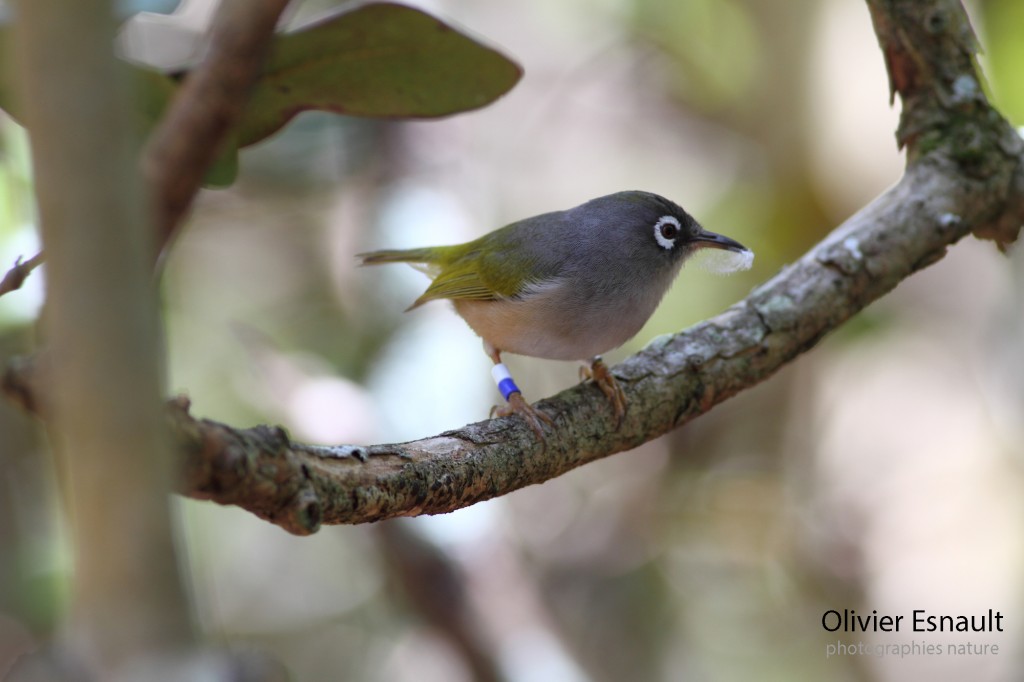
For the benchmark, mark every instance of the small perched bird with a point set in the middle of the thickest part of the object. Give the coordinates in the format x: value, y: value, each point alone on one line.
x: 566, y: 285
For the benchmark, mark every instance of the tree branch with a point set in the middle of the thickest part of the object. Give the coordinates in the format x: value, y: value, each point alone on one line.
x: 964, y: 175
x: 211, y: 100
x: 667, y: 385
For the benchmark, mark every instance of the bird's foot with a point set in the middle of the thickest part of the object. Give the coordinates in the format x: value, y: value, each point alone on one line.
x: 603, y: 378
x: 533, y: 417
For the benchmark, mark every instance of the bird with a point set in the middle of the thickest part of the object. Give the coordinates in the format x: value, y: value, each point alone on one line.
x: 565, y: 285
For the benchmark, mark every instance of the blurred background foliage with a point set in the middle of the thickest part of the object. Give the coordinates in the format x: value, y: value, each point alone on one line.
x: 881, y: 471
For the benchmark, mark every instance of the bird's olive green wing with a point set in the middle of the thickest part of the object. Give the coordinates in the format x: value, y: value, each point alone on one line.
x: 450, y: 267
x: 461, y: 278
x: 500, y: 265
x: 464, y: 285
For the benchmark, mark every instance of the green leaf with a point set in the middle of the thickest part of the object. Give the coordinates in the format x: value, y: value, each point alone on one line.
x: 224, y: 170
x: 153, y: 92
x: 7, y: 99
x: 380, y: 60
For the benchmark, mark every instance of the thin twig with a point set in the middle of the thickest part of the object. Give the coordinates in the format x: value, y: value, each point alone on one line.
x: 17, y: 275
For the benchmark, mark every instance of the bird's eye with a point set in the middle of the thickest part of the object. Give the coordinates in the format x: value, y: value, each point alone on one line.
x: 666, y: 230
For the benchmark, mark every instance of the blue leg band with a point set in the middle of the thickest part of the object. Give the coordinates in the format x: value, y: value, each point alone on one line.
x: 507, y: 388
x: 504, y: 380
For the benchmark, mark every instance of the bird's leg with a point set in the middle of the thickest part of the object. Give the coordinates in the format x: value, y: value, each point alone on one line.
x: 515, y: 402
x: 602, y: 377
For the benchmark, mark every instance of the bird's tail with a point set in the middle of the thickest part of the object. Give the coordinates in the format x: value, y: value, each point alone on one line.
x: 424, y: 255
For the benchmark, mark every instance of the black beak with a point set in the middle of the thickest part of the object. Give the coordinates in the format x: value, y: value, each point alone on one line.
x: 705, y: 239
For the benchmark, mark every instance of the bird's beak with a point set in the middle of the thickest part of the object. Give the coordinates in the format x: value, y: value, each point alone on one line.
x: 705, y: 239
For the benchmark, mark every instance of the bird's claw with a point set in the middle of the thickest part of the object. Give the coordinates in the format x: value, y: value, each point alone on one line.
x: 603, y: 378
x: 533, y: 417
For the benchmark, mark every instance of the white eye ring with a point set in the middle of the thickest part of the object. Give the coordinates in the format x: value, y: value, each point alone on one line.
x: 663, y: 241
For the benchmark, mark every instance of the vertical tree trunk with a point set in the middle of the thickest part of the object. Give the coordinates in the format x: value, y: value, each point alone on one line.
x: 103, y: 337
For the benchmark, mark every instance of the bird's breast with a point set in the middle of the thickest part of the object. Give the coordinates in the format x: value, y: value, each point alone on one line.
x: 556, y: 324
